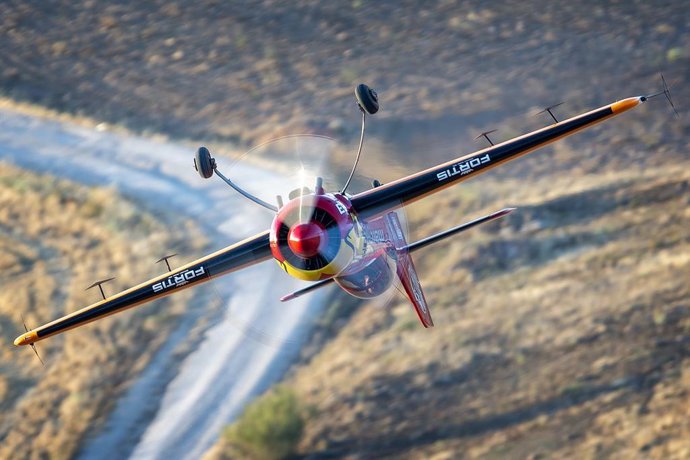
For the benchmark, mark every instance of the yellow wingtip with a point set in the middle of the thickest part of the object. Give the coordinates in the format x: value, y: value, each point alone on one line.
x: 625, y: 104
x: 26, y: 339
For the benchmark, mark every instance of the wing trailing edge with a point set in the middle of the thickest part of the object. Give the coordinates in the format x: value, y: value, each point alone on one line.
x: 232, y: 258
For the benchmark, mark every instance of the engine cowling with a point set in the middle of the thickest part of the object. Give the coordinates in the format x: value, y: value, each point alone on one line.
x: 314, y: 237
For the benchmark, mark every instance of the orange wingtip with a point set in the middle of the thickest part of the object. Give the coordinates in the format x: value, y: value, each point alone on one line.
x: 26, y: 339
x: 625, y: 104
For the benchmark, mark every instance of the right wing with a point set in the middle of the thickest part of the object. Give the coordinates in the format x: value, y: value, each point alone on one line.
x: 380, y: 200
x: 235, y: 257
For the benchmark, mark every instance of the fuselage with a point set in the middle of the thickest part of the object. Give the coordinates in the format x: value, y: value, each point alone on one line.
x: 324, y: 236
x: 319, y: 236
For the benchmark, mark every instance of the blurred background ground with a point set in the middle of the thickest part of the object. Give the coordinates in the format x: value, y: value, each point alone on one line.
x: 561, y: 331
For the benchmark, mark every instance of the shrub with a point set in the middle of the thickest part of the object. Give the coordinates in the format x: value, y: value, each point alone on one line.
x: 270, y: 428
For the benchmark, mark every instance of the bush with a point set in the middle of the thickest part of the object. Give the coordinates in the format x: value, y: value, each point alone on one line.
x: 270, y: 428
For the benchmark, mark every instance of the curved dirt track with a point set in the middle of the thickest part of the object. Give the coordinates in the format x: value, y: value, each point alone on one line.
x: 176, y: 409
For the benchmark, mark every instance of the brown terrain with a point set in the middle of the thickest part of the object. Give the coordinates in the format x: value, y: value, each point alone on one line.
x: 562, y: 331
x: 56, y: 239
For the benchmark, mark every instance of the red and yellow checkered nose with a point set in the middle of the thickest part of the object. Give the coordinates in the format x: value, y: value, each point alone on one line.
x: 307, y: 239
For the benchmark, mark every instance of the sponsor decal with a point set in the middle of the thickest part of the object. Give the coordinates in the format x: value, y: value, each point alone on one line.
x: 417, y: 292
x: 463, y: 167
x: 179, y: 279
x: 375, y: 235
x: 341, y: 209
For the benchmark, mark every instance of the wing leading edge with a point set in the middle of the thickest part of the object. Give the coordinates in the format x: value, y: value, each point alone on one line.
x: 379, y: 200
x: 235, y: 257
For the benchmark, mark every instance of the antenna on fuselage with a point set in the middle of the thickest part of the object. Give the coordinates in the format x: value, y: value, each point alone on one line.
x: 206, y: 165
x: 368, y: 102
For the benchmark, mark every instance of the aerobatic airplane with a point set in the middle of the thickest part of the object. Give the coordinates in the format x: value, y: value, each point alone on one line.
x: 355, y: 241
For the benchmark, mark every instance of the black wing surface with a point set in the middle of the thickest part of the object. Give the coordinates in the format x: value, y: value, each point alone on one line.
x: 232, y: 258
x: 414, y: 187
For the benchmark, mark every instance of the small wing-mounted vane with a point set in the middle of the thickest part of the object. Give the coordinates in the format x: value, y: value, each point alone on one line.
x: 165, y: 259
x: 549, y: 110
x: 485, y: 135
x: 100, y: 285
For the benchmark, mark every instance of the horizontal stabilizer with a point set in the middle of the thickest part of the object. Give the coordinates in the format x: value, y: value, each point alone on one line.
x: 413, y: 288
x: 460, y: 228
x: 307, y: 290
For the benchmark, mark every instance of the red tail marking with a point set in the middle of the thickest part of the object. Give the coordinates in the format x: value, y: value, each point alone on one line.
x: 406, y: 271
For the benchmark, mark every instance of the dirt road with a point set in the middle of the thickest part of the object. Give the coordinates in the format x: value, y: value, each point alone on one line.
x: 178, y: 407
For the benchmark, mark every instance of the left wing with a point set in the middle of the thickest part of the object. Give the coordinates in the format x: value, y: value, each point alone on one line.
x: 240, y: 255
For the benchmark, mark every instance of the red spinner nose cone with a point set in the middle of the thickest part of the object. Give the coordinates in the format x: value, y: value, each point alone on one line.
x: 306, y: 239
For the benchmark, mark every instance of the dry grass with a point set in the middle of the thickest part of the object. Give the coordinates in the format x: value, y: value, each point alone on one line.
x: 248, y: 71
x: 57, y: 238
x: 561, y: 331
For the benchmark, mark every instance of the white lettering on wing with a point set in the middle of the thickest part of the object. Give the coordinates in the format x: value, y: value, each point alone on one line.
x: 178, y: 279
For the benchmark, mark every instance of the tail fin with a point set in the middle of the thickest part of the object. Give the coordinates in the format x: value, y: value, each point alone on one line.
x: 406, y: 271
x: 410, y: 281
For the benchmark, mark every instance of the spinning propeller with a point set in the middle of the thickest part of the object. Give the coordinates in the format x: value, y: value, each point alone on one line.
x: 309, y: 231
